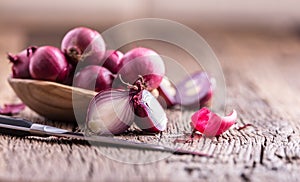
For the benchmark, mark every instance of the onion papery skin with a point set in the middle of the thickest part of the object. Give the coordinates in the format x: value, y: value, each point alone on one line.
x: 144, y: 62
x: 49, y: 63
x: 150, y: 116
x: 93, y: 77
x: 11, y: 109
x: 20, y: 68
x: 110, y: 112
x: 83, y: 44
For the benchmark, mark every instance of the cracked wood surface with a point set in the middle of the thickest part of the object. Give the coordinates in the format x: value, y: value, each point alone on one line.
x: 261, y: 72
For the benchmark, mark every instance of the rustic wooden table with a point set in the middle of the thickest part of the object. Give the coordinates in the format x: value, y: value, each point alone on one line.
x: 262, y: 77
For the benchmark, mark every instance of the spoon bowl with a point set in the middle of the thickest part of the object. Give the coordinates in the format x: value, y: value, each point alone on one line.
x: 52, y: 100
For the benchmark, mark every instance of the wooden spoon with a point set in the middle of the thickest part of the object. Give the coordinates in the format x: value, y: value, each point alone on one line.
x: 53, y: 100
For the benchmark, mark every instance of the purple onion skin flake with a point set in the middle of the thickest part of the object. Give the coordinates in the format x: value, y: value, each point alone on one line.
x: 11, y: 109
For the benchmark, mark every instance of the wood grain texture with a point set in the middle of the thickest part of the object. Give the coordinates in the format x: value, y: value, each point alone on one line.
x: 261, y: 71
x: 51, y: 100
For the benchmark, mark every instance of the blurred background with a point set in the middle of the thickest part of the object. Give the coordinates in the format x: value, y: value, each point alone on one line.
x: 34, y: 22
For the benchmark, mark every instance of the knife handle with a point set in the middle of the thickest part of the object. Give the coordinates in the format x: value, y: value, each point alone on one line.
x: 14, y: 126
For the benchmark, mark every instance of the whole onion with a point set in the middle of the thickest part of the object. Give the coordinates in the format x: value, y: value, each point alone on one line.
x: 93, y: 77
x: 113, y: 60
x: 49, y: 63
x: 20, y: 62
x: 84, y: 44
x: 144, y: 62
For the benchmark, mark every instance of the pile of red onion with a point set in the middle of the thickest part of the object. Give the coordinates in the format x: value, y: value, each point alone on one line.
x: 126, y: 82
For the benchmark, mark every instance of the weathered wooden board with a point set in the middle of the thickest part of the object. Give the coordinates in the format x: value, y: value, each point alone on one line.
x: 261, y: 71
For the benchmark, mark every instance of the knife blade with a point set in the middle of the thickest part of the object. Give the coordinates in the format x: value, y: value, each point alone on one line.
x: 22, y: 127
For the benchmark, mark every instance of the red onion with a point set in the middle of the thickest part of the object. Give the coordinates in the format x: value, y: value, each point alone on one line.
x: 144, y: 62
x: 210, y: 124
x: 113, y: 61
x: 150, y: 116
x: 83, y: 44
x: 94, y: 77
x: 109, y: 112
x: 20, y: 62
x: 194, y: 90
x: 49, y: 63
x: 112, y: 111
x: 167, y: 93
x: 70, y: 77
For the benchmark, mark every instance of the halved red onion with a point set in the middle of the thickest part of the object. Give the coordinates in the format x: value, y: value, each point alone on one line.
x: 144, y: 62
x: 150, y: 116
x: 113, y: 60
x: 191, y: 91
x: 20, y: 62
x: 49, y: 63
x: 110, y: 112
x: 167, y: 93
x: 210, y: 124
x: 93, y: 77
x: 83, y: 44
